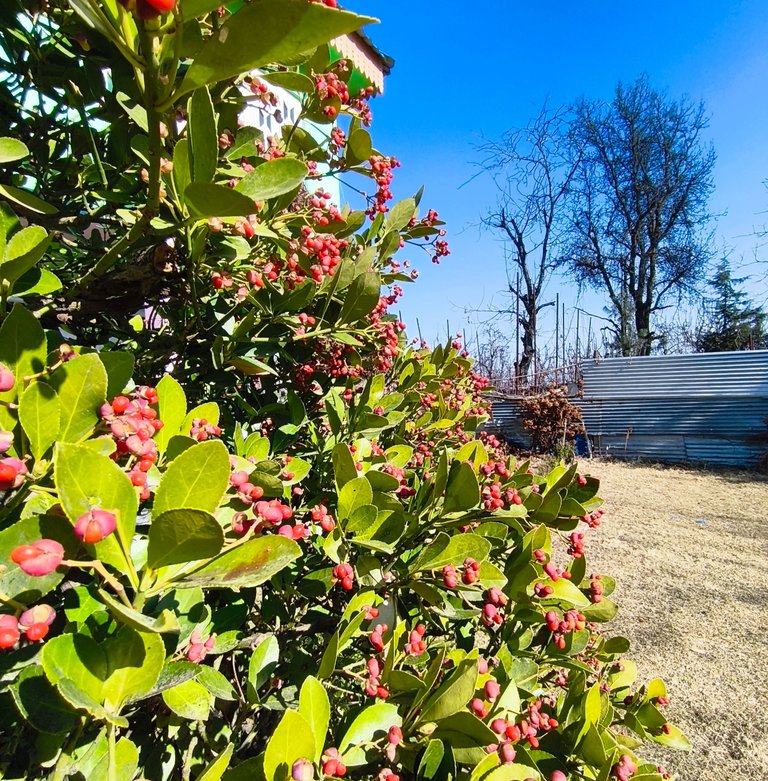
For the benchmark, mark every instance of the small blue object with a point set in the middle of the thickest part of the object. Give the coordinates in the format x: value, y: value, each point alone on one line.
x: 581, y: 445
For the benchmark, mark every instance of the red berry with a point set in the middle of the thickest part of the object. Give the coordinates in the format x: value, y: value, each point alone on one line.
x: 37, y: 632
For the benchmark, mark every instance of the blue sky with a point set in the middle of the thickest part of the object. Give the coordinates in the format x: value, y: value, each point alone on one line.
x: 467, y: 71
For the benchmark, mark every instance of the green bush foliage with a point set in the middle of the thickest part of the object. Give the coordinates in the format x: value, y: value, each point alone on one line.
x: 247, y: 531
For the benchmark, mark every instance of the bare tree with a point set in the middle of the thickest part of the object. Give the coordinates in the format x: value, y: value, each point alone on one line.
x: 533, y: 169
x: 493, y: 357
x: 640, y: 205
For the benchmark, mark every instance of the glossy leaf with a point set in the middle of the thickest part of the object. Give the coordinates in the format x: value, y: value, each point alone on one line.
x: 454, y: 693
x: 315, y: 707
x: 371, y: 723
x: 263, y: 32
x: 172, y: 409
x: 87, y: 479
x: 196, y: 479
x: 203, y: 138
x: 273, y: 178
x: 12, y: 149
x: 246, y: 565
x: 40, y: 416
x: 214, y: 200
x: 263, y: 662
x: 81, y: 384
x: 179, y: 536
x: 292, y: 739
x: 190, y: 700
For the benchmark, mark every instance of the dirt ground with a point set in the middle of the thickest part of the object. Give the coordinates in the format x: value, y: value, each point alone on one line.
x: 689, y: 551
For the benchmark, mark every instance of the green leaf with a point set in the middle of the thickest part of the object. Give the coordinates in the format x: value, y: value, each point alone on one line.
x: 565, y: 591
x: 36, y: 282
x: 182, y: 166
x: 214, y: 770
x: 602, y: 611
x: 675, y: 738
x: 166, y: 622
x: 592, y: 748
x: 400, y: 214
x: 463, y: 731
x: 263, y: 662
x: 27, y: 200
x: 209, y: 411
x: 202, y: 136
x: 315, y: 707
x: 23, y: 251
x: 12, y: 149
x: 40, y: 416
x: 134, y: 661
x: 273, y: 178
x: 23, y: 350
x: 356, y: 493
x: 192, y: 8
x: 82, y: 387
x: 290, y: 80
x: 514, y: 772
x: 463, y: 490
x: 78, y: 659
x: 445, y: 549
x: 359, y: 147
x: 119, y: 368
x: 172, y: 409
x: 246, y: 565
x: 375, y: 720
x: 216, y: 683
x: 328, y: 662
x: 134, y: 110
x: 264, y: 32
x: 190, y: 700
x: 179, y: 536
x: 344, y: 468
x: 361, y: 297
x: 431, y: 760
x: 214, y: 200
x: 85, y: 479
x: 196, y: 479
x: 292, y: 740
x: 454, y: 693
x: 40, y: 704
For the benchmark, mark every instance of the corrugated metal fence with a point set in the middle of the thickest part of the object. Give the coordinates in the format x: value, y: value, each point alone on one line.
x: 704, y: 407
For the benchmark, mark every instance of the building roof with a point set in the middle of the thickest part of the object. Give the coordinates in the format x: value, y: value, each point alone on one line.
x: 372, y: 63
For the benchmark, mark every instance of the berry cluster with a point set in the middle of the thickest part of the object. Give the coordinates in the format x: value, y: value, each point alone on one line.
x: 198, y: 648
x: 382, y: 170
x: 321, y: 515
x: 345, y: 575
x: 624, y: 769
x: 416, y: 645
x: 32, y: 623
x: 593, y: 519
x: 133, y: 422
x: 12, y: 473
x: 202, y: 430
x: 373, y: 685
x: 495, y: 599
x: 571, y: 621
x: 330, y: 88
x: 332, y: 764
x: 496, y: 498
x: 596, y: 589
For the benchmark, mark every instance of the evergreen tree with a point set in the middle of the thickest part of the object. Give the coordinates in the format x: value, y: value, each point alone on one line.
x: 733, y: 321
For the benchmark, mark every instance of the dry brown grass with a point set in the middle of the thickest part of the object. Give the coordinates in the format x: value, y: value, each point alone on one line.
x: 688, y: 549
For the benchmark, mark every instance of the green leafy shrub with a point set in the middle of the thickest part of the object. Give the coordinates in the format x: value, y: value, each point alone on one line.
x: 245, y: 530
